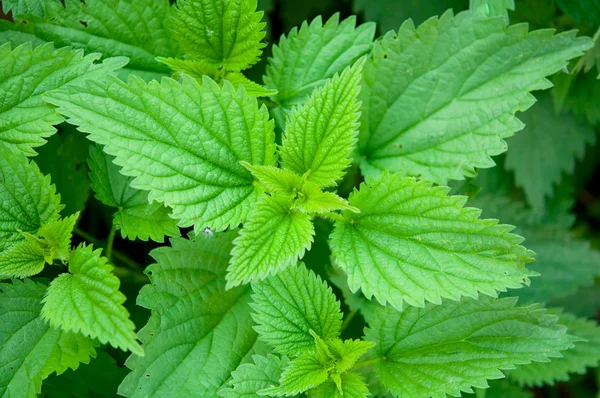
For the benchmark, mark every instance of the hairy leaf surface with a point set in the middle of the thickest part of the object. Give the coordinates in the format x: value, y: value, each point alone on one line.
x: 446, y: 349
x: 88, y: 300
x: 196, y: 328
x: 27, y: 73
x: 438, y: 100
x: 181, y: 141
x: 411, y: 242
x: 30, y: 350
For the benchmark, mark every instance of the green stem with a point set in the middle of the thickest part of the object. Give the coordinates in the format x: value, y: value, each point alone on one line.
x: 110, y: 241
x: 348, y: 319
x: 368, y: 362
x: 118, y: 256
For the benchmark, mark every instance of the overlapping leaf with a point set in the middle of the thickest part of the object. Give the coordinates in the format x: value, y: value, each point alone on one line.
x: 438, y: 100
x: 446, y: 349
x: 196, y: 328
x: 88, y: 300
x: 411, y: 242
x: 30, y: 350
x: 27, y: 73
x: 249, y: 378
x: 181, y: 141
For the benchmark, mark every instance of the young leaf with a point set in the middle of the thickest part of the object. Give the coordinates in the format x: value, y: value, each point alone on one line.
x: 27, y: 200
x: 469, y: 75
x: 585, y: 354
x: 446, y: 349
x: 88, y: 300
x: 289, y: 305
x: 306, y: 371
x: 22, y: 259
x: 252, y: 88
x: 30, y: 350
x: 190, y: 163
x: 306, y: 58
x: 136, y: 29
x: 276, y: 180
x: 547, y: 147
x: 58, y: 234
x: 275, y: 237
x: 411, y: 242
x: 321, y: 134
x: 197, y: 327
x: 135, y: 217
x: 249, y: 378
x: 312, y: 200
x: 347, y: 352
x: 27, y: 73
x: 352, y: 386
x: 223, y: 34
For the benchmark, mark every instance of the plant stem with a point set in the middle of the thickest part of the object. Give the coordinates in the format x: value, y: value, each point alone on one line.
x: 368, y: 362
x: 348, y: 319
x: 110, y: 241
x: 118, y: 256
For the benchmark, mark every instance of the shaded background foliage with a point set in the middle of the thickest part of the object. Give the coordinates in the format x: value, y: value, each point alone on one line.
x: 548, y: 182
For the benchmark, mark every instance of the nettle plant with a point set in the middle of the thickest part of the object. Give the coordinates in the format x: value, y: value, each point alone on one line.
x: 341, y: 158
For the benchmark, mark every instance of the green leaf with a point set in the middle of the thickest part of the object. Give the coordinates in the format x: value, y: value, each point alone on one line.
x: 30, y: 350
x: 411, y: 242
x: 501, y: 388
x: 470, y: 74
x: 252, y: 88
x: 57, y: 235
x: 190, y: 163
x: 494, y: 8
x: 321, y: 134
x: 249, y: 378
x: 446, y: 349
x: 306, y: 371
x: 25, y: 258
x: 312, y: 200
x: 587, y: 11
x: 136, y: 29
x: 135, y: 217
x: 87, y: 300
x: 27, y: 199
x: 275, y: 180
x: 352, y: 385
x: 27, y: 73
x: 306, y: 58
x: 20, y: 7
x: 347, y: 352
x: 198, y: 332
x: 223, y: 34
x: 549, y: 146
x: 585, y: 354
x: 289, y: 305
x: 275, y: 237
x: 64, y: 157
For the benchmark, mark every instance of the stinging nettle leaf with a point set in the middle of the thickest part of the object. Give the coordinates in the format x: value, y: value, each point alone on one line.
x: 411, y: 242
x: 87, y: 300
x: 198, y: 332
x: 307, y: 57
x: 352, y: 386
x: 223, y: 34
x: 22, y: 259
x: 25, y: 74
x: 321, y: 134
x: 20, y: 7
x: 438, y: 100
x: 312, y: 200
x: 135, y: 217
x: 30, y: 350
x: 249, y: 378
x: 275, y: 236
x: 287, y: 306
x: 446, y: 349
x: 185, y: 144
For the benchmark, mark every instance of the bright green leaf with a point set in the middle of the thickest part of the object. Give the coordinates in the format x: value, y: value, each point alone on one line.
x: 585, y: 354
x: 58, y: 234
x: 438, y: 100
x: 276, y: 180
x: 135, y: 217
x: 30, y: 350
x: 306, y: 58
x: 20, y: 7
x: 88, y: 300
x: 353, y: 386
x: 289, y: 305
x: 411, y: 242
x: 306, y: 371
x: 321, y: 134
x: 27, y: 199
x: 249, y: 378
x: 22, y: 259
x: 224, y: 34
x: 27, y: 73
x: 347, y: 352
x: 198, y: 332
x: 252, y: 88
x: 312, y: 200
x: 549, y: 146
x: 275, y: 237
x: 446, y: 349
x: 191, y: 163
